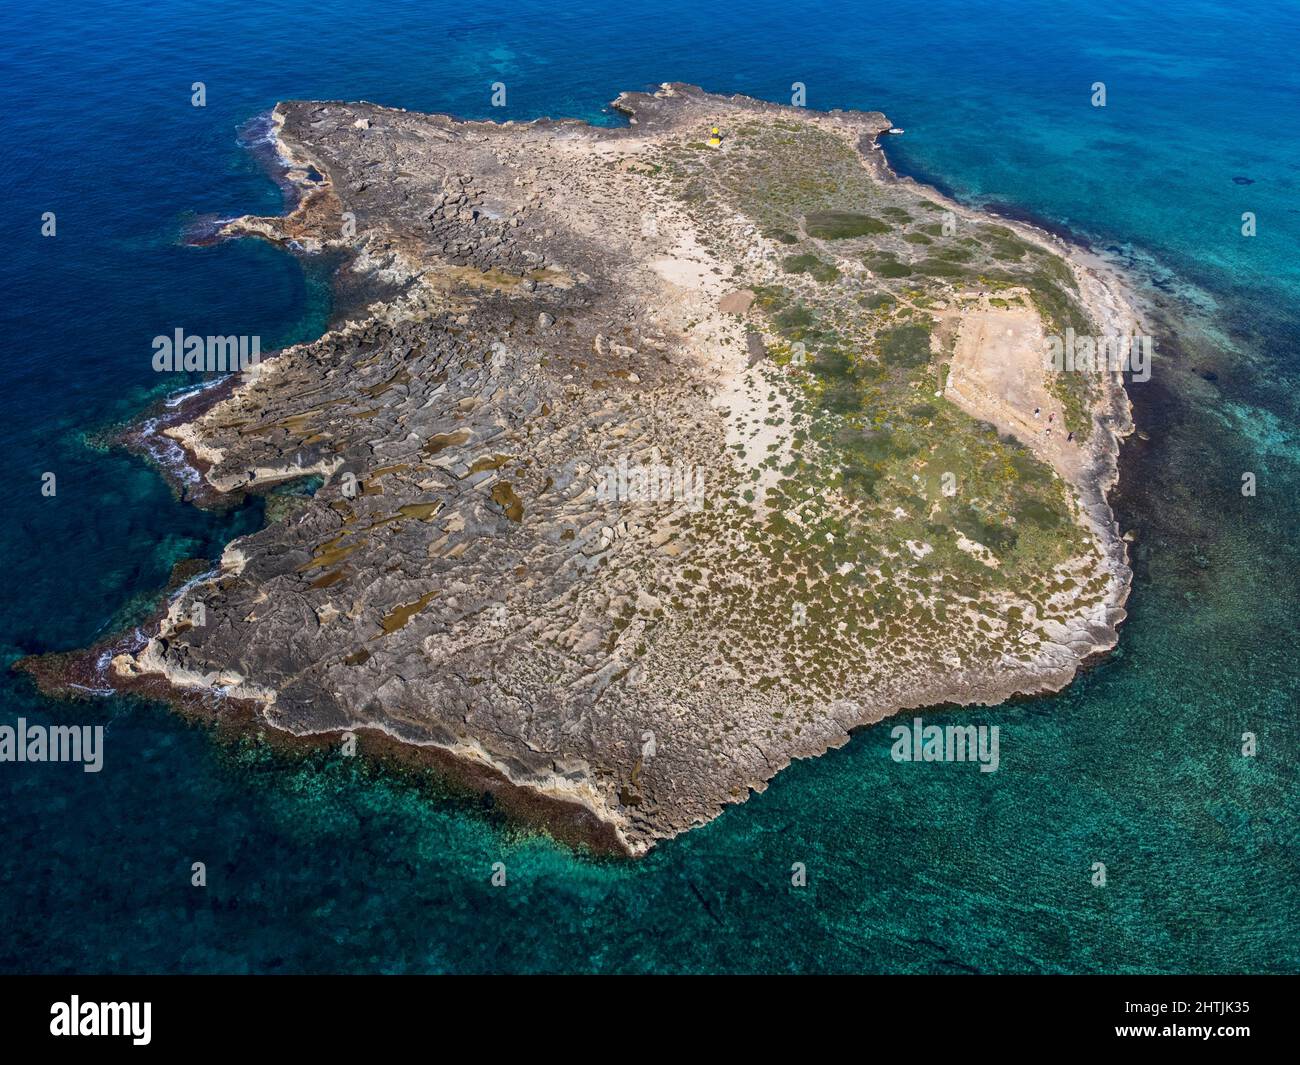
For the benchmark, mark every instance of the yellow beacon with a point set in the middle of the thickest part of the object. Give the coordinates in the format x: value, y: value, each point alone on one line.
x: 715, y: 138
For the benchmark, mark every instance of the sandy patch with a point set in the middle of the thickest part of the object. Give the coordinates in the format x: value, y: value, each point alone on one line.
x: 737, y: 302
x: 998, y: 375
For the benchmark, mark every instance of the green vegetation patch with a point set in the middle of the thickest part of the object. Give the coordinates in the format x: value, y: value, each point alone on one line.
x: 890, y: 268
x: 905, y: 345
x: 781, y: 236
x: 939, y: 268
x: 807, y: 263
x: 839, y: 225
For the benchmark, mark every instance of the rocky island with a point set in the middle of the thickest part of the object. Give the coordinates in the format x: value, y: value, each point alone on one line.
x: 664, y: 454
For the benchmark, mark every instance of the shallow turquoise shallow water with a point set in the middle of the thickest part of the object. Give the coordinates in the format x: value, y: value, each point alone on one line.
x: 326, y: 865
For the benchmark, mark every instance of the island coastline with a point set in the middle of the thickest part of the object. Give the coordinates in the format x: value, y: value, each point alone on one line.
x: 1102, y: 291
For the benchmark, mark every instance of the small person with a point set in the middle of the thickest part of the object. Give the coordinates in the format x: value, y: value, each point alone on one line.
x: 1036, y: 410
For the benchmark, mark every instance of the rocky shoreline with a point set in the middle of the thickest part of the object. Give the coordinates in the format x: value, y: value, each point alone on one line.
x: 459, y: 593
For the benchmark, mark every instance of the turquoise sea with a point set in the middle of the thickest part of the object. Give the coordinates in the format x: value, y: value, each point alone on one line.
x: 327, y: 865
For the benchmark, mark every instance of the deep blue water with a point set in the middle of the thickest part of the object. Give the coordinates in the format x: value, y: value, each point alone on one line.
x: 331, y: 866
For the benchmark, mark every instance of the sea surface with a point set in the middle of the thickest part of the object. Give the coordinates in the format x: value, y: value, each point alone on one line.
x: 327, y: 864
